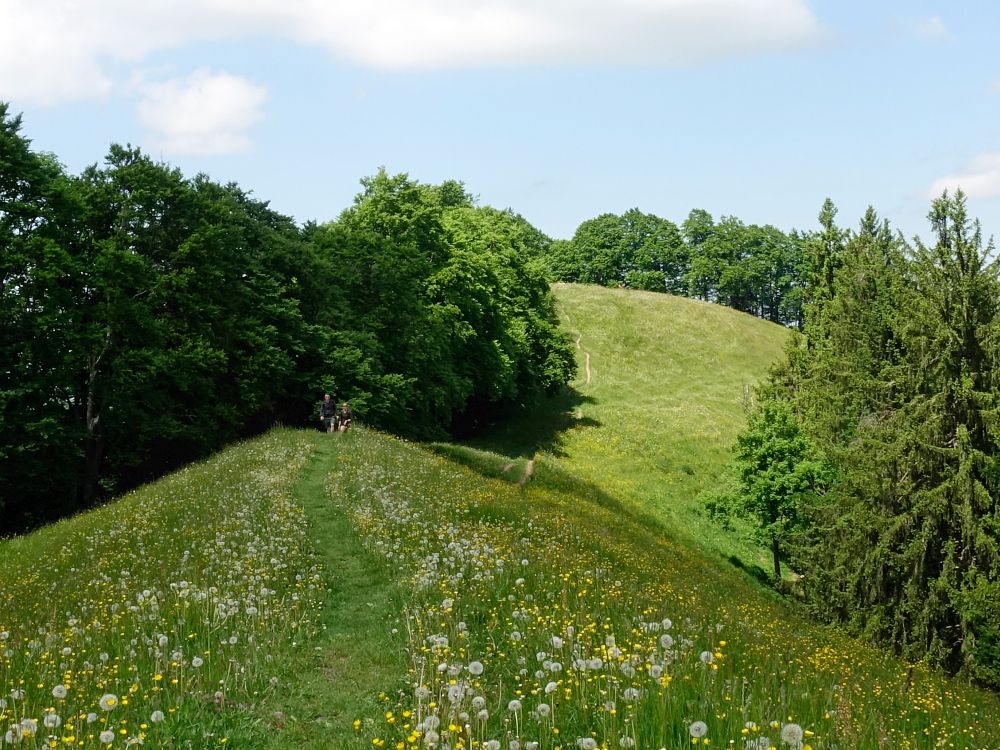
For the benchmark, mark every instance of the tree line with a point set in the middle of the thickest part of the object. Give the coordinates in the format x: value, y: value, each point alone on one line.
x: 871, y: 460
x: 755, y: 269
x: 146, y: 318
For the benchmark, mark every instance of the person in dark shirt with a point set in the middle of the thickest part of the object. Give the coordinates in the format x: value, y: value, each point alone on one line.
x: 346, y: 416
x: 328, y: 413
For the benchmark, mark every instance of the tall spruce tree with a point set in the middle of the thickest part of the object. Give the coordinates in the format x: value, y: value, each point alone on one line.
x: 899, y: 389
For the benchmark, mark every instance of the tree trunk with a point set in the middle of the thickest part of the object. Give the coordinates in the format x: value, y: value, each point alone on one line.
x: 94, y: 448
x: 776, y: 551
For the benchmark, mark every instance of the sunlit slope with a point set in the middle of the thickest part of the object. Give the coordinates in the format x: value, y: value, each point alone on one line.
x: 542, y: 614
x: 662, y: 382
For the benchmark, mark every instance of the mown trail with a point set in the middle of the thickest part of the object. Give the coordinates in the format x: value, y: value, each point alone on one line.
x: 350, y: 662
x: 465, y: 609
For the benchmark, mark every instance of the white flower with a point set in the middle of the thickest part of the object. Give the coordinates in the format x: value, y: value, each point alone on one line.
x: 91, y: 717
x: 630, y: 694
x: 107, y: 736
x: 698, y: 729
x: 792, y: 734
x: 52, y: 721
x: 108, y: 701
x: 156, y: 716
x: 455, y: 693
x: 432, y: 722
x: 483, y: 715
x: 431, y: 737
x: 550, y: 688
x: 586, y: 743
x: 478, y: 702
x: 476, y: 668
x: 707, y: 657
x: 666, y: 623
x: 59, y: 692
x: 557, y: 642
x: 448, y: 603
x: 666, y: 641
x: 422, y: 693
x: 544, y: 709
x: 514, y: 705
x: 197, y: 661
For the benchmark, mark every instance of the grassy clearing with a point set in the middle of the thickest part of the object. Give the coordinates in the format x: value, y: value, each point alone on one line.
x: 167, y: 618
x: 654, y: 424
x: 546, y: 617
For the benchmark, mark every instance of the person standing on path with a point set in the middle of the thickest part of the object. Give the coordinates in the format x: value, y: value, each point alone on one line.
x: 328, y: 413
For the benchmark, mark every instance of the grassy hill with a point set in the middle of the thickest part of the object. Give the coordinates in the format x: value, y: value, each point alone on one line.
x: 358, y: 591
x: 658, y: 401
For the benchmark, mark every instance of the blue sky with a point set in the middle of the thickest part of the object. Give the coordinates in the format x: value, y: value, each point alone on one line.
x: 559, y: 109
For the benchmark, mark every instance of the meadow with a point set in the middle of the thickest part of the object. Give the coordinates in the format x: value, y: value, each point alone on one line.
x: 359, y: 591
x: 653, y: 412
x: 549, y: 617
x: 165, y: 618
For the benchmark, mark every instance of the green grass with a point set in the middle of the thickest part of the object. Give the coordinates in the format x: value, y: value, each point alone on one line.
x: 654, y: 425
x: 184, y: 601
x: 338, y: 679
x: 434, y: 596
x: 491, y: 572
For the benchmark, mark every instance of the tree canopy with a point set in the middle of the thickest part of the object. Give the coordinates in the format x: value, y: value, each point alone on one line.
x: 146, y: 318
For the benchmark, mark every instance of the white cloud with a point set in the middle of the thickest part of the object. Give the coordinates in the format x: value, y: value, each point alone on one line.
x: 445, y: 33
x: 980, y: 178
x: 204, y: 113
x: 52, y: 50
x: 932, y: 29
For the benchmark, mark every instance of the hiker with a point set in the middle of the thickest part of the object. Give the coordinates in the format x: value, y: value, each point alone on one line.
x: 345, y: 417
x: 328, y: 413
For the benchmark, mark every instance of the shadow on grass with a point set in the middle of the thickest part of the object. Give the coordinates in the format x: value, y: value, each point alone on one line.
x: 754, y: 571
x: 548, y: 474
x: 530, y: 428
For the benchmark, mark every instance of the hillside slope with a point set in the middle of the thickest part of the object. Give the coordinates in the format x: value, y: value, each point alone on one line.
x: 659, y: 399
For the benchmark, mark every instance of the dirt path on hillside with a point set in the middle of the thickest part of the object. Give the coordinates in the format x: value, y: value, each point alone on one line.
x: 579, y: 346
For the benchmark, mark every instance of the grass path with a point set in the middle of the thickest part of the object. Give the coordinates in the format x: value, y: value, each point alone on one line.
x: 340, y: 680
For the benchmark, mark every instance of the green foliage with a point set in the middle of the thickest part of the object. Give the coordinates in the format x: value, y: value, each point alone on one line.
x: 778, y: 477
x: 449, y: 300
x: 898, y: 387
x: 148, y: 318
x: 755, y: 269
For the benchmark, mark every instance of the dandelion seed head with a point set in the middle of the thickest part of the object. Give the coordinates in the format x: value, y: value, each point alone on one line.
x: 698, y: 729
x: 792, y: 734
